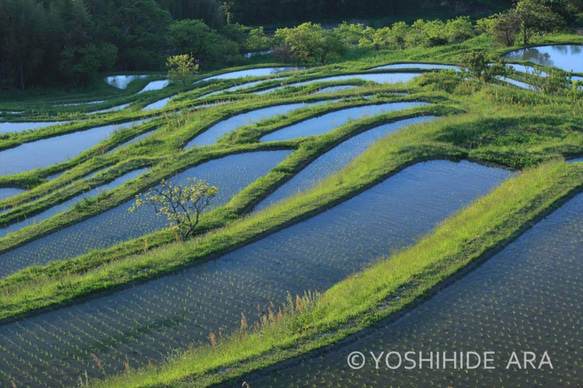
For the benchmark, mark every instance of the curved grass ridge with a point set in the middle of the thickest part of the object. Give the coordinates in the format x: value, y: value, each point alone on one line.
x: 62, y: 282
x: 378, y: 292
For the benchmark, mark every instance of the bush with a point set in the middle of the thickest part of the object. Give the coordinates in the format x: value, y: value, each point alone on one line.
x: 310, y: 43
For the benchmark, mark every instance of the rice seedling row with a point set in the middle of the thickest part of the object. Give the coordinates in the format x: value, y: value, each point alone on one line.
x: 176, y: 310
x: 526, y: 298
x: 231, y: 174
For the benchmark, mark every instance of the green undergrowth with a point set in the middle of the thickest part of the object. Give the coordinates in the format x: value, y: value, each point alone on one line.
x: 376, y: 293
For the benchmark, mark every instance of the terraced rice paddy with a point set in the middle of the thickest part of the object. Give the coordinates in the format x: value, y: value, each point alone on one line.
x: 211, y: 135
x: 327, y: 122
x: 566, y: 57
x: 69, y: 203
x: 155, y: 85
x: 526, y: 298
x: 335, y: 159
x: 45, y: 152
x: 231, y: 174
x: 511, y: 301
x: 372, y: 77
x: 171, y: 312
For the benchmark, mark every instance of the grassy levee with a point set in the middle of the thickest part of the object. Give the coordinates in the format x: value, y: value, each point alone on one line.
x: 41, y: 287
x: 384, y: 289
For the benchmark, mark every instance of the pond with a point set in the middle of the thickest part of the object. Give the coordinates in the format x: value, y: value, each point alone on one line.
x: 566, y: 57
x: 335, y: 159
x: 211, y: 135
x: 149, y: 320
x: 372, y: 77
x: 122, y: 81
x: 45, y: 152
x: 155, y: 85
x: 6, y: 127
x: 61, y: 207
x: 329, y: 121
x: 525, y: 298
x: 230, y: 174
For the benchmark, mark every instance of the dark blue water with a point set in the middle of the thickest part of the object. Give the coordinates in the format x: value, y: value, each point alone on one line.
x: 176, y: 310
x: 372, y: 77
x: 211, y: 135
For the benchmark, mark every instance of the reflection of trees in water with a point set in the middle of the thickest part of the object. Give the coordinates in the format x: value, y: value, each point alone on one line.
x: 531, y: 54
x: 576, y: 49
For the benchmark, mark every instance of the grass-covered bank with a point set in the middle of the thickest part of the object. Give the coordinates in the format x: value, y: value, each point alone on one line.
x: 384, y: 289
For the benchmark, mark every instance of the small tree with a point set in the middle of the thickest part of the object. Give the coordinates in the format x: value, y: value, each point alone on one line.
x: 181, y: 67
x: 181, y: 204
x: 505, y: 27
x: 536, y: 18
x: 477, y: 66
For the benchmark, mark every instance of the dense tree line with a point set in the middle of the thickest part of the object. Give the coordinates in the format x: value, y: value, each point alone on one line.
x: 70, y: 42
x: 268, y: 12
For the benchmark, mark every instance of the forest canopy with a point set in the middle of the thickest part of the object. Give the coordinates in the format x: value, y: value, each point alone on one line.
x: 71, y: 42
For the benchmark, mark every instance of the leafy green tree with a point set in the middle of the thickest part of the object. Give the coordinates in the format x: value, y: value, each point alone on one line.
x: 505, y: 27
x: 477, y: 66
x: 194, y: 37
x: 23, y: 41
x: 181, y: 67
x: 181, y: 204
x: 310, y: 43
x: 536, y: 18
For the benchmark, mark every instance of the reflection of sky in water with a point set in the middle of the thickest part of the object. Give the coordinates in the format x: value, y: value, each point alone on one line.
x: 566, y: 57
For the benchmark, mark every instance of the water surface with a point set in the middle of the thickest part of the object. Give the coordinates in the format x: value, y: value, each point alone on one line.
x: 45, y: 152
x: 155, y: 85
x: 173, y: 311
x: 329, y: 121
x: 566, y: 57
x: 7, y: 192
x: 262, y: 72
x: 335, y: 159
